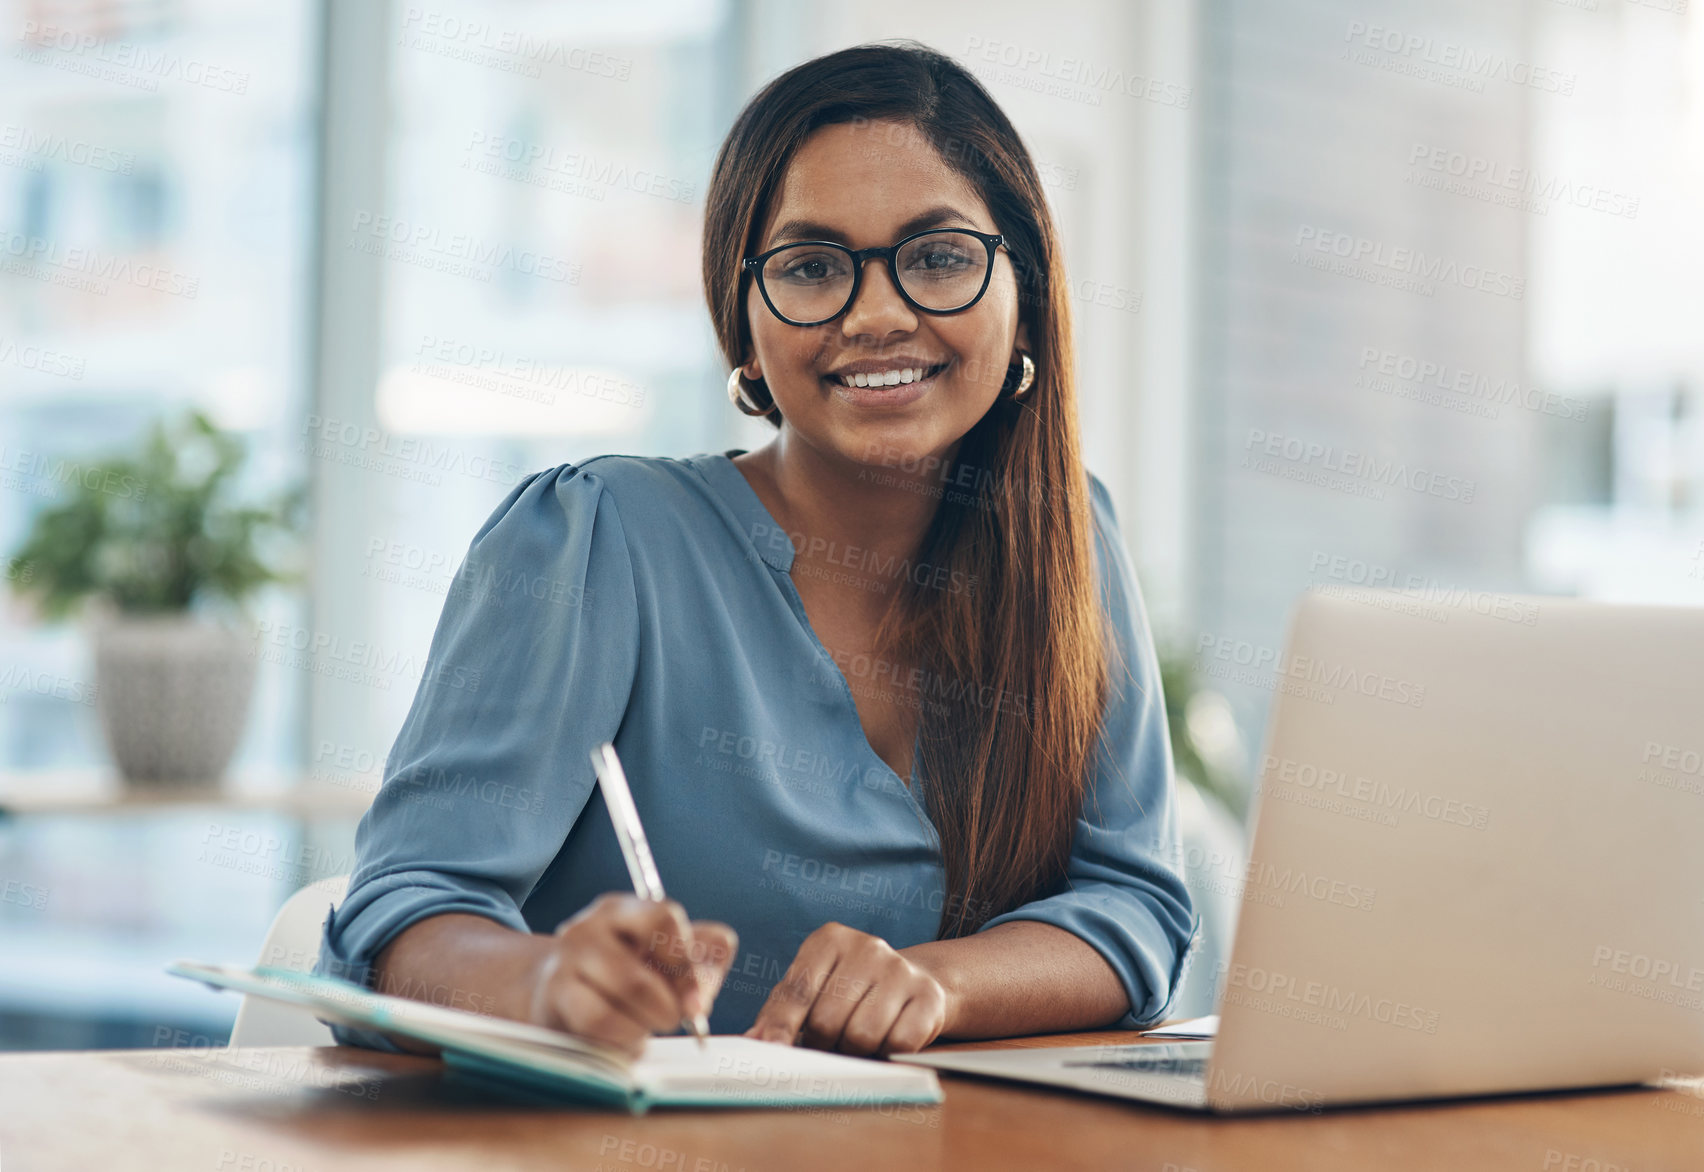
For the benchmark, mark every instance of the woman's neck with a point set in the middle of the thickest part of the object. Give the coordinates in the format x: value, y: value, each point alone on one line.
x: 839, y: 505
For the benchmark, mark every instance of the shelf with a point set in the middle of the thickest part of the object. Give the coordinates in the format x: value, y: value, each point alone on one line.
x: 96, y: 791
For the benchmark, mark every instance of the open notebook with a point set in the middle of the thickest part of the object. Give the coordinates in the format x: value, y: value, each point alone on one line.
x: 673, y: 1072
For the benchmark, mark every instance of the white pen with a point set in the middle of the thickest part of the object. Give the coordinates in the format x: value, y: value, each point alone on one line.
x: 647, y: 884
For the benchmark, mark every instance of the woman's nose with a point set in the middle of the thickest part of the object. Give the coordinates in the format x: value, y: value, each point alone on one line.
x: 878, y: 310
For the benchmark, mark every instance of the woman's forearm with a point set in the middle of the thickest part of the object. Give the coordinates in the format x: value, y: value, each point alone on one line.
x: 460, y: 961
x: 1022, y: 977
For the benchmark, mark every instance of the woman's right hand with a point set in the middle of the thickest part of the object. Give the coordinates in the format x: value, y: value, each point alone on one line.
x: 626, y: 968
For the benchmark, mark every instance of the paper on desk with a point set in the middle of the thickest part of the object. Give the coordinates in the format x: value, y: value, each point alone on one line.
x: 731, y: 1070
x: 1197, y: 1028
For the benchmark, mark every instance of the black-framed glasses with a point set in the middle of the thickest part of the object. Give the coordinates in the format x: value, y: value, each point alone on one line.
x: 940, y: 270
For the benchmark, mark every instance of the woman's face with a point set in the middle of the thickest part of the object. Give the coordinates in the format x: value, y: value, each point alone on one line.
x: 867, y: 185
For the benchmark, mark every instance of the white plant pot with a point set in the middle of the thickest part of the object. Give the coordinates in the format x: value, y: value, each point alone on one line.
x: 173, y: 694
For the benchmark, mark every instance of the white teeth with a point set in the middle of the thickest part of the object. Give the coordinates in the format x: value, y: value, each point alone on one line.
x: 885, y: 378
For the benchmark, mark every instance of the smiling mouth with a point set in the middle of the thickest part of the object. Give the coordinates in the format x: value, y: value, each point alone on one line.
x: 887, y: 378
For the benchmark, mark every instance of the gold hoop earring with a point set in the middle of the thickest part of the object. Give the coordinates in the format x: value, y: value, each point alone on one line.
x: 1027, y: 379
x: 736, y: 396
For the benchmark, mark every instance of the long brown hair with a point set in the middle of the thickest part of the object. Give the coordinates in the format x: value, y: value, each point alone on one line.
x: 1019, y: 665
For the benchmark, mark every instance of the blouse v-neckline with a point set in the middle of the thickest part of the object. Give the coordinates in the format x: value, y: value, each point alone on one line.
x: 731, y: 485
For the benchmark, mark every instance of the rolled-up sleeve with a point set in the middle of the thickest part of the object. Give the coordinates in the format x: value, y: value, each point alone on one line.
x: 1123, y: 891
x: 532, y: 663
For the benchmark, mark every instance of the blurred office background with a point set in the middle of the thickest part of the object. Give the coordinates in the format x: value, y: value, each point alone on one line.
x: 1458, y: 237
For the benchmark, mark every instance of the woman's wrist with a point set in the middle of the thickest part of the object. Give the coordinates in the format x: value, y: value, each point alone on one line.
x: 532, y: 991
x: 936, y: 959
x: 1021, y: 977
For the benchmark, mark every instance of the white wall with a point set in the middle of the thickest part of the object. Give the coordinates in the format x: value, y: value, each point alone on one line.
x: 1102, y: 92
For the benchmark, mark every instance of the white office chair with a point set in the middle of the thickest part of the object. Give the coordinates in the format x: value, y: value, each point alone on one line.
x: 291, y: 943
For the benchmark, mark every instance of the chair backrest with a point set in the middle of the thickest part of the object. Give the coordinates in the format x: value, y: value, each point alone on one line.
x: 291, y: 943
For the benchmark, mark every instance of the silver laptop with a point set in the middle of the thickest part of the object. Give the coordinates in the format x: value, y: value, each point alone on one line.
x: 1477, y: 865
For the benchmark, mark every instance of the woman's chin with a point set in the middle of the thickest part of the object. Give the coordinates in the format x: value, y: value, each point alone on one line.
x: 891, y: 450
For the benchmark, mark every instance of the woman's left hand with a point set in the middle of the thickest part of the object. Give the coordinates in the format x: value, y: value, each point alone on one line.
x: 855, y: 993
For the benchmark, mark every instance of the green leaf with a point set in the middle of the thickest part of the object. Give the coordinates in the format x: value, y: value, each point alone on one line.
x: 160, y: 529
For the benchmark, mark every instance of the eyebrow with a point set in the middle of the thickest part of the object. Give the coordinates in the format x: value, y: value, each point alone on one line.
x: 798, y: 229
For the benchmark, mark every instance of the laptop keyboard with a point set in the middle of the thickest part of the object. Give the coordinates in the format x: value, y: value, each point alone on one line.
x: 1132, y: 1058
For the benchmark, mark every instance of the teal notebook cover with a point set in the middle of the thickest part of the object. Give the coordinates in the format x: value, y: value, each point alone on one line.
x: 548, y: 1065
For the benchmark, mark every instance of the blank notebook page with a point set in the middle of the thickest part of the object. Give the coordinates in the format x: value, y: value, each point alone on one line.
x: 730, y: 1064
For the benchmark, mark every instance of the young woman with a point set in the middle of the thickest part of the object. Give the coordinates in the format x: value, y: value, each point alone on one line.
x: 884, y: 689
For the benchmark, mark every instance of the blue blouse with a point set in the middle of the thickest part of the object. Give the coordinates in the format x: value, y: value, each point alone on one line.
x: 649, y: 602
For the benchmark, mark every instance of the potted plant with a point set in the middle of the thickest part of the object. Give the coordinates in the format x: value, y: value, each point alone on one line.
x: 1207, y: 748
x: 159, y: 559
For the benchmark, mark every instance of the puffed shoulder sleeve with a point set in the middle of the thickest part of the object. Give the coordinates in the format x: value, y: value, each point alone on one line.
x: 1124, y: 890
x: 531, y: 665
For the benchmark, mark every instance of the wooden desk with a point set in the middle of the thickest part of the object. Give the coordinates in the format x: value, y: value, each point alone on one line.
x: 304, y: 1109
